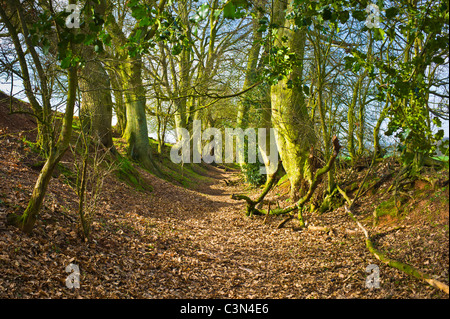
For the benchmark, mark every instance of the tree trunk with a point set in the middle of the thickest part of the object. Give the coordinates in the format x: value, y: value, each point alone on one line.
x: 363, y: 101
x: 136, y: 131
x: 351, y: 122
x: 96, y: 106
x: 119, y: 104
x: 266, y: 152
x: 43, y: 113
x: 27, y: 220
x: 250, y: 74
x: 295, y: 131
x: 376, y: 131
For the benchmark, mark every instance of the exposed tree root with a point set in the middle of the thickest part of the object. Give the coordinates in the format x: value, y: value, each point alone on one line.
x: 300, y: 204
x: 408, y: 269
x: 284, y: 221
x: 251, y: 204
x: 312, y: 187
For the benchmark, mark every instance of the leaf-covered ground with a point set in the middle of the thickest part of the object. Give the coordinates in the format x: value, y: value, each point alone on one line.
x: 175, y: 242
x: 179, y: 243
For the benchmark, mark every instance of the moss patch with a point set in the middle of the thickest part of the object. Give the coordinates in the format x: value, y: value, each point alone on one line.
x: 388, y: 209
x: 127, y: 173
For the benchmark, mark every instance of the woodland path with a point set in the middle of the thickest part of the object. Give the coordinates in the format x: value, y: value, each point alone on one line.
x: 220, y: 253
x: 175, y: 242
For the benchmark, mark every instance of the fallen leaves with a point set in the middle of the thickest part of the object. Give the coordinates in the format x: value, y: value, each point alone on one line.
x: 180, y: 243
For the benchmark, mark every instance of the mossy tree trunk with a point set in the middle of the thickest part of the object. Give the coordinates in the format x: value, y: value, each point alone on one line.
x: 299, y: 205
x: 95, y: 87
x: 53, y: 150
x: 295, y: 130
x: 119, y: 103
x: 376, y: 131
x: 351, y: 122
x: 366, y: 85
x: 266, y: 121
x: 12, y: 16
x: 136, y: 130
x: 130, y: 70
x: 251, y: 72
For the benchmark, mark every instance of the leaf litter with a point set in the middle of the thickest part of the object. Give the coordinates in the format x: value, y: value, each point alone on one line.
x: 182, y: 243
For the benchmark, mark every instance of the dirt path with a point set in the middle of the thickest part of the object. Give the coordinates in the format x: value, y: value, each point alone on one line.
x: 240, y: 257
x: 220, y: 253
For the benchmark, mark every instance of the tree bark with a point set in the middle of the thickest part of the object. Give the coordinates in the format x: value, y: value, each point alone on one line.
x: 304, y: 199
x: 250, y: 74
x: 130, y: 70
x: 97, y: 105
x: 42, y: 112
x: 119, y: 103
x: 376, y: 131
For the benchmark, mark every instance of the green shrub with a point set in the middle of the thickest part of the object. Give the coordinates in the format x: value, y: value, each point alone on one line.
x: 252, y: 174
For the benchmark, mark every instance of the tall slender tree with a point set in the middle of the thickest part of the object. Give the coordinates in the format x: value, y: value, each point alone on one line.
x: 27, y: 220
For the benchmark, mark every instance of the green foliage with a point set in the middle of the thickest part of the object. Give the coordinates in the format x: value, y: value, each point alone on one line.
x: 252, y: 174
x: 281, y: 63
x: 93, y: 33
x: 405, y: 82
x: 235, y: 9
x: 409, y: 87
x: 251, y: 171
x: 154, y: 26
x: 203, y: 11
